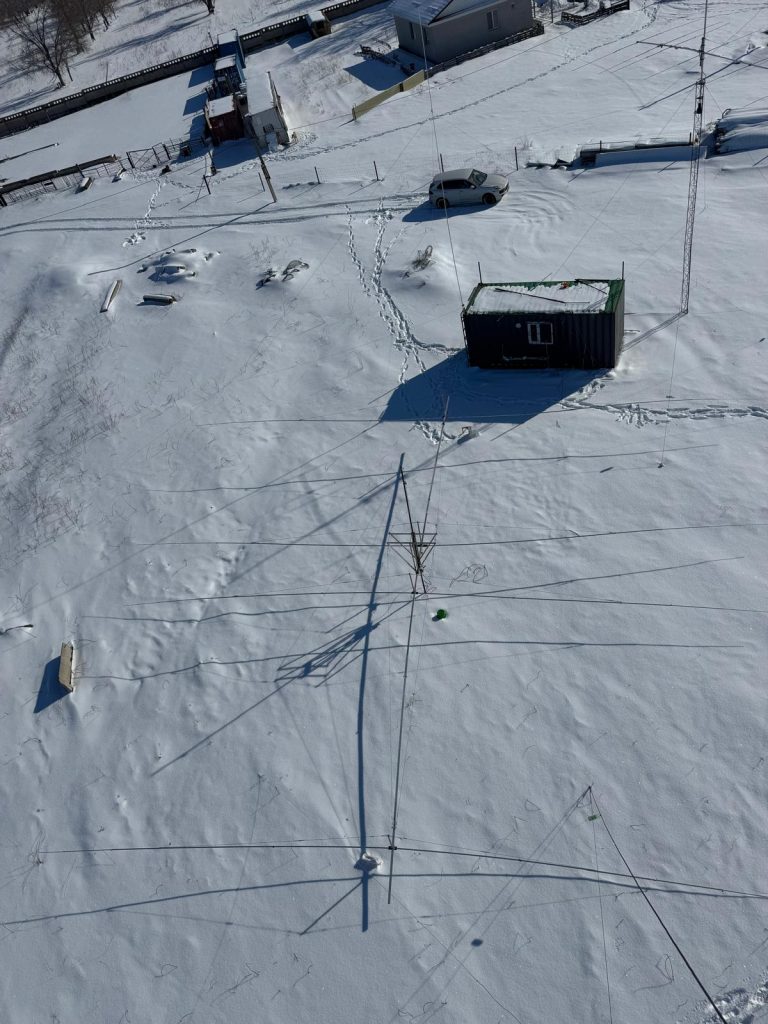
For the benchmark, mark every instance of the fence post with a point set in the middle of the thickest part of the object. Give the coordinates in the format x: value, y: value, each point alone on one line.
x: 376, y: 169
x: 166, y: 151
x: 479, y: 272
x: 317, y: 176
x: 442, y: 168
x: 517, y: 165
x: 133, y: 165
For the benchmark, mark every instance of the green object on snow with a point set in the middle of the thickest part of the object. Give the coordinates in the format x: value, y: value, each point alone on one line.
x: 441, y: 613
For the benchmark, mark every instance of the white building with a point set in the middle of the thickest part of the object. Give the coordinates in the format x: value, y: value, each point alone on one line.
x: 265, y: 116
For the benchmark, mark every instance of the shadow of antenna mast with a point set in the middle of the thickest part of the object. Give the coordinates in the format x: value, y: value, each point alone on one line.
x: 414, y: 547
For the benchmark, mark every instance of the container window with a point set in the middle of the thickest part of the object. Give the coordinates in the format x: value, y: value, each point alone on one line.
x: 540, y: 333
x: 493, y: 20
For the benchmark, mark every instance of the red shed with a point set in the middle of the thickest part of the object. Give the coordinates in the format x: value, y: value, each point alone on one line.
x: 224, y: 119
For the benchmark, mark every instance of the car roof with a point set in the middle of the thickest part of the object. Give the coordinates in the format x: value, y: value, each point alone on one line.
x: 462, y: 172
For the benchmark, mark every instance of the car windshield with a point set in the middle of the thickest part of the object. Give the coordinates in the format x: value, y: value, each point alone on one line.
x: 477, y: 177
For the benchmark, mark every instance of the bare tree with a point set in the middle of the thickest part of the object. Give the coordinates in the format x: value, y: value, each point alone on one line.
x: 106, y: 9
x: 82, y: 16
x: 45, y: 38
x: 8, y: 8
x: 79, y: 15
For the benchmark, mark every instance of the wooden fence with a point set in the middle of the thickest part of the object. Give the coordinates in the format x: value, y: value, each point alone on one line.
x: 393, y: 90
x: 536, y: 29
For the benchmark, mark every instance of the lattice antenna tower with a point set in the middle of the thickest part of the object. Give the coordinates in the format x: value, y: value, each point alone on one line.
x: 693, y: 180
x: 414, y: 546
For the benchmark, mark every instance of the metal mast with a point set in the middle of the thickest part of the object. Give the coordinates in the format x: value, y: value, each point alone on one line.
x: 693, y: 181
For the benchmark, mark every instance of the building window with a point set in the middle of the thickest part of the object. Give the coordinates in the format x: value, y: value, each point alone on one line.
x: 540, y: 333
x: 493, y: 20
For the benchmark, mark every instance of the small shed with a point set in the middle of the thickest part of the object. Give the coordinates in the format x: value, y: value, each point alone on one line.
x: 317, y: 24
x: 224, y: 119
x: 265, y: 111
x: 575, y: 324
x: 441, y: 30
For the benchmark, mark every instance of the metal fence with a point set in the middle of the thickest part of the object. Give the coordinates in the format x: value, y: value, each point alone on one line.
x: 162, y: 153
x: 584, y: 17
x: 59, y: 180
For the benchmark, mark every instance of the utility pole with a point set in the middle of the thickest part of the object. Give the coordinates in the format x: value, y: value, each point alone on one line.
x: 693, y: 180
x: 267, y: 179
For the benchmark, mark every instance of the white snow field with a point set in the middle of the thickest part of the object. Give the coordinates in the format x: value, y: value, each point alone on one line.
x: 200, y: 496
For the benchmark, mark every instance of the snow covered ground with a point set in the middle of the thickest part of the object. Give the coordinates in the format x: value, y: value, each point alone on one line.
x: 147, y: 32
x: 201, y: 496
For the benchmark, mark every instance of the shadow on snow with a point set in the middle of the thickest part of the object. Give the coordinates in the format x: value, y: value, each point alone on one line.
x: 51, y: 689
x: 481, y: 396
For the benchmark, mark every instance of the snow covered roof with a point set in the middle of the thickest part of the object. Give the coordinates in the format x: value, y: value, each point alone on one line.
x: 220, y: 107
x: 543, y: 297
x: 426, y: 11
x: 423, y: 11
x: 742, y: 129
x: 225, y: 62
x: 316, y: 17
x: 735, y: 118
x: 455, y: 8
x: 259, y: 92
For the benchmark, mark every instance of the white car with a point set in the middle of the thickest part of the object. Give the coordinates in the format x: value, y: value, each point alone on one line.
x: 466, y: 187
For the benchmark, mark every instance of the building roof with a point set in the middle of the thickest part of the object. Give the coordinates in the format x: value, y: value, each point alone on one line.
x: 579, y: 296
x: 259, y: 92
x: 229, y: 61
x: 220, y: 107
x: 423, y: 11
x: 427, y: 11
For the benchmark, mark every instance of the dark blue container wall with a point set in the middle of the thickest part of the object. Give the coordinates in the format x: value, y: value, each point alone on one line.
x: 579, y: 340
